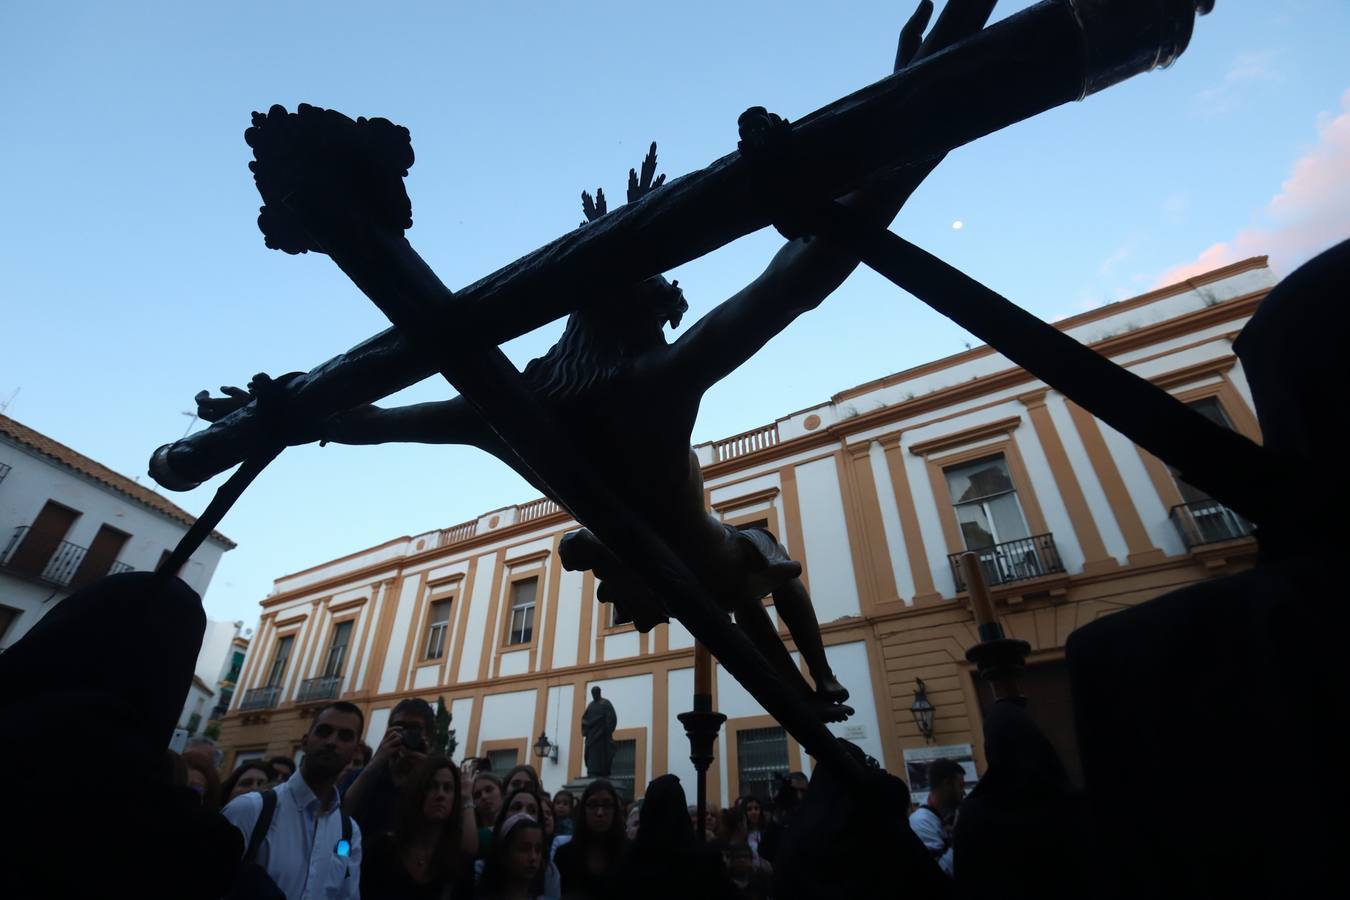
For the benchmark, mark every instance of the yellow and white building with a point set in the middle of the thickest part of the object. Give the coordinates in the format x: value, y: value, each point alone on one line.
x: 873, y: 491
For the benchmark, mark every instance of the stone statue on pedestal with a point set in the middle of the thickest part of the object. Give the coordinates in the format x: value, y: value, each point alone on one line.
x: 597, y: 728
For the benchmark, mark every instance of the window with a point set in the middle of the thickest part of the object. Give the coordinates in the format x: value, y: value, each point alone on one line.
x: 101, y: 555
x: 1211, y: 409
x: 1200, y: 518
x: 521, y: 630
x: 623, y: 770
x: 236, y: 664
x: 985, y: 500
x: 40, y: 550
x: 337, y: 651
x: 617, y: 618
x: 502, y: 761
x: 761, y: 753
x: 279, y: 661
x: 438, y: 623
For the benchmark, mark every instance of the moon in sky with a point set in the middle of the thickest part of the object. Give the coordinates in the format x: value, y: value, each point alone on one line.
x: 958, y: 225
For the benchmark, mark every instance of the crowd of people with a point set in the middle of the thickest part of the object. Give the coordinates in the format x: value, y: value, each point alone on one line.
x: 402, y: 822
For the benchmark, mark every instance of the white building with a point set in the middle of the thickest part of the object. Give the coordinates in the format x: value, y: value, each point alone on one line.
x: 66, y: 520
x: 218, y: 665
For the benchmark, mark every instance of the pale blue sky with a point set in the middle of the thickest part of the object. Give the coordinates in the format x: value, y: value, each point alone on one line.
x: 133, y: 275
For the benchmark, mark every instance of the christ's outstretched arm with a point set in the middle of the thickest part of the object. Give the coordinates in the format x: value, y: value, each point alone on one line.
x: 807, y: 270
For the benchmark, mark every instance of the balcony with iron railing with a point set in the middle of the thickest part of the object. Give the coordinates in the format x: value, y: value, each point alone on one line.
x: 1207, y: 522
x: 259, y: 698
x: 1012, y: 561
x: 61, y: 566
x: 325, y: 687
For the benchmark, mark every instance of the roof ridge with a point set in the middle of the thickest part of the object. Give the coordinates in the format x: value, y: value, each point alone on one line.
x: 92, y: 468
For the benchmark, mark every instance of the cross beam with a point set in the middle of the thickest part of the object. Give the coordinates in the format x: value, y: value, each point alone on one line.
x: 1047, y: 55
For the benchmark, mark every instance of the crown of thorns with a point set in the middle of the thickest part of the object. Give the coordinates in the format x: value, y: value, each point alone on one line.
x: 638, y: 187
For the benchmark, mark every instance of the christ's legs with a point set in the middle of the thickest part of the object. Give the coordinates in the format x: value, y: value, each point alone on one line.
x: 794, y: 605
x: 755, y: 622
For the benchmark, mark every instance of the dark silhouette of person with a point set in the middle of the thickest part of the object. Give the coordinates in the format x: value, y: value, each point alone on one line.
x: 76, y: 832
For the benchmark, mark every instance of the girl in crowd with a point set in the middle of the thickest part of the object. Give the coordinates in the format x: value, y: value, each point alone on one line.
x: 520, y: 775
x: 747, y: 827
x: 525, y: 801
x: 563, y: 803
x: 487, y: 802
x: 515, y: 865
x: 547, y: 821
x: 254, y: 775
x: 422, y: 858
x: 597, y: 842
x: 202, y: 778
x: 666, y: 862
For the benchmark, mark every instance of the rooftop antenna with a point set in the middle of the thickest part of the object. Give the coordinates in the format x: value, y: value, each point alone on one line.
x: 190, y: 424
x: 4, y: 406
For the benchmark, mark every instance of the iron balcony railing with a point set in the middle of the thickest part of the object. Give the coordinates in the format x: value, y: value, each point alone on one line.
x: 1208, y: 522
x: 60, y: 567
x: 218, y: 711
x: 325, y: 687
x: 259, y: 698
x: 1010, y: 561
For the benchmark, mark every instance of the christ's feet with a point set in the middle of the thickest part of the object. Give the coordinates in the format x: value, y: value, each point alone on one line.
x: 830, y: 690
x: 832, y: 712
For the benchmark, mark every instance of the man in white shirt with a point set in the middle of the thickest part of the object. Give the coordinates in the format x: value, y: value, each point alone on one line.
x: 946, y: 787
x: 304, y: 850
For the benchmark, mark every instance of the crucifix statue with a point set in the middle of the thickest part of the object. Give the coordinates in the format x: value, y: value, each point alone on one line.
x: 614, y: 386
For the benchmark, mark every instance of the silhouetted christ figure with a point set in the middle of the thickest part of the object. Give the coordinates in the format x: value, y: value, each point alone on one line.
x: 625, y: 394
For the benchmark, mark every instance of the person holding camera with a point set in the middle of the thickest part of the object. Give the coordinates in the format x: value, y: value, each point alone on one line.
x: 372, y: 797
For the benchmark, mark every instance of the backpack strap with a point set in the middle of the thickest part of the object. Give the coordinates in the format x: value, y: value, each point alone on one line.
x: 269, y: 807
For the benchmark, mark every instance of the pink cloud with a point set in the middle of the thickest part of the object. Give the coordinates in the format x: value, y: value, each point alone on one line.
x: 1310, y: 213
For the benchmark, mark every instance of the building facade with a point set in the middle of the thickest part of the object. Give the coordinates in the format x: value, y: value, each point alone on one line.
x: 874, y: 492
x: 66, y: 520
x: 219, y: 662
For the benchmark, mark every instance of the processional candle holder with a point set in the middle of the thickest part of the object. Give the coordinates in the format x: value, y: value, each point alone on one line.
x: 1000, y: 660
x: 702, y: 725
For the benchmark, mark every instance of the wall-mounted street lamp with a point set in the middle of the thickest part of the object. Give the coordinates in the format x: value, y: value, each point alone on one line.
x: 544, y: 748
x: 922, y: 710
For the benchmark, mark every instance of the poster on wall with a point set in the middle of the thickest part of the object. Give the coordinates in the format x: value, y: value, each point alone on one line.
x: 918, y: 759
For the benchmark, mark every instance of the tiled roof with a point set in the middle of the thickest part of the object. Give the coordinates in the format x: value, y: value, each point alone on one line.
x: 54, y: 450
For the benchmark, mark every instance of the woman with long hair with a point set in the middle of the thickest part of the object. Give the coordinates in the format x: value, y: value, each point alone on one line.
x: 202, y: 778
x: 519, y: 775
x: 525, y: 800
x: 585, y: 862
x: 514, y: 869
x: 422, y: 858
x: 748, y: 824
x: 666, y: 860
x: 254, y: 775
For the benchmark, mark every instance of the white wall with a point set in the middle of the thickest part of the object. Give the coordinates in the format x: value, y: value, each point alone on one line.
x: 829, y: 560
x: 506, y: 717
x: 478, y: 613
x: 569, y: 619
x: 34, y: 479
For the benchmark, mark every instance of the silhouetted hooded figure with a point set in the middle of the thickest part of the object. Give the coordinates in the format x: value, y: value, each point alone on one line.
x: 666, y: 860
x: 89, y: 699
x: 854, y: 840
x: 1020, y: 832
x: 1211, y: 720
